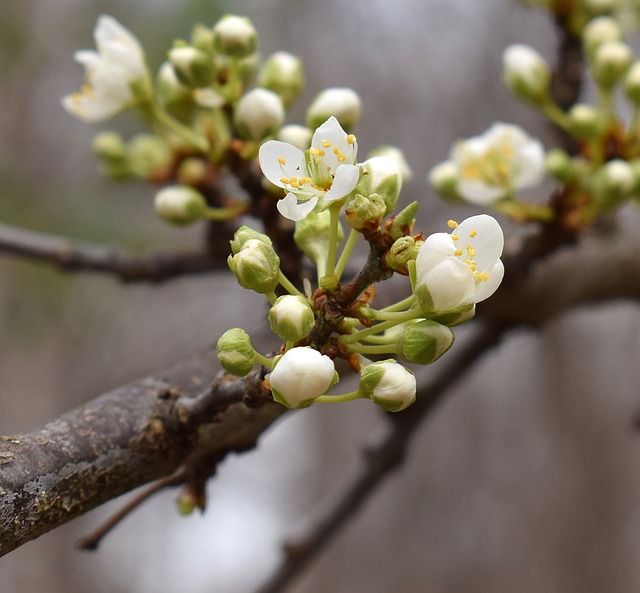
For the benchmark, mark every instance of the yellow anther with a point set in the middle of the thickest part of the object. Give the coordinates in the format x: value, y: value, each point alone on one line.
x: 473, y: 233
x: 471, y: 251
x: 341, y: 158
x: 284, y: 180
x: 452, y: 224
x: 455, y: 237
x: 325, y: 143
x: 281, y: 160
x: 336, y: 150
x: 351, y: 139
x: 304, y: 180
x: 457, y: 252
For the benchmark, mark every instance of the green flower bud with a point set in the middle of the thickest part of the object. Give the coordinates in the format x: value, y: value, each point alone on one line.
x: 179, y: 204
x: 235, y: 352
x: 585, y: 121
x: 258, y: 114
x: 235, y: 36
x: 202, y: 37
x: 169, y: 89
x: 291, y: 317
x: 610, y: 62
x: 256, y: 266
x: 403, y: 250
x: 244, y: 234
x: 388, y: 384
x: 558, y: 164
x: 298, y: 136
x: 193, y: 67
x: 402, y: 224
x: 282, y: 73
x: 526, y: 74
x: 397, y: 155
x: 192, y: 171
x: 598, y: 31
x: 382, y: 176
x: 312, y: 235
x: 109, y: 146
x: 424, y: 342
x: 365, y: 213
x: 343, y: 103
x: 632, y: 83
x: 444, y: 179
x: 614, y: 182
x: 148, y: 155
x: 601, y: 7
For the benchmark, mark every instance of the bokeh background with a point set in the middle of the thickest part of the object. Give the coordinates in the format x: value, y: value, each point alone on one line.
x: 526, y: 479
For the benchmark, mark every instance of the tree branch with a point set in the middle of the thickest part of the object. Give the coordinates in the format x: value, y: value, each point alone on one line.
x: 86, y: 257
x: 122, y: 440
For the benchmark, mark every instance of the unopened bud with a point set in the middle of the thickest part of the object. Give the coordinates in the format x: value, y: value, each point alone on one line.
x: 179, y: 204
x: 444, y: 179
x: 526, y: 74
x: 614, y: 182
x: 244, y: 234
x: 283, y: 74
x: 610, y: 62
x: 202, y: 37
x: 235, y: 36
x: 424, y: 342
x: 298, y: 136
x: 235, y: 352
x: 168, y: 88
x: 388, y: 384
x: 382, y: 176
x: 193, y: 67
x: 585, y: 121
x: 148, y: 155
x: 343, y: 103
x: 397, y: 155
x: 598, y: 31
x: 403, y: 250
x: 109, y: 146
x: 402, y: 224
x: 256, y: 266
x: 291, y: 317
x: 192, y: 171
x: 258, y: 114
x: 365, y: 213
x: 558, y: 164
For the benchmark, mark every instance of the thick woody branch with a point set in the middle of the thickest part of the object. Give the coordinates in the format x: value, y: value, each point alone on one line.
x: 122, y: 440
x: 86, y: 257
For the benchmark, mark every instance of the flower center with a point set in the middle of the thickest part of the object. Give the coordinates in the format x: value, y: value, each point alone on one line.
x: 493, y: 167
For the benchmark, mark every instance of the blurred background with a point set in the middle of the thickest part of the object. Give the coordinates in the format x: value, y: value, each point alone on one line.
x: 526, y: 479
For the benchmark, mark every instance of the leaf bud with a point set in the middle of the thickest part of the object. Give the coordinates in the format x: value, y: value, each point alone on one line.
x: 388, y: 384
x: 291, y: 317
x: 256, y: 266
x: 402, y: 224
x: 235, y: 352
x: 179, y: 204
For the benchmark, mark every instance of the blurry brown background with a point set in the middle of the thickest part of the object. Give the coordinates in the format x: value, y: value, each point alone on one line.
x: 526, y: 480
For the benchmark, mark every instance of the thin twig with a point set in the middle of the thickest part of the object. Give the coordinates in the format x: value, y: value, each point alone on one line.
x: 87, y: 257
x: 381, y: 461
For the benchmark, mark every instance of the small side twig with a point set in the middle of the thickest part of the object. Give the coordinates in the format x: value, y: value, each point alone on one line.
x: 66, y: 255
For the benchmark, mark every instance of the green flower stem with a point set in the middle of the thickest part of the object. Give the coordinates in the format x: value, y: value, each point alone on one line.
x: 380, y: 327
x: 287, y: 284
x: 335, y: 399
x: 334, y: 211
x: 555, y: 114
x: 352, y: 239
x: 606, y: 104
x: 382, y: 340
x: 271, y: 296
x: 400, y: 305
x: 264, y: 361
x: 220, y: 214
x: 373, y: 349
x: 188, y: 135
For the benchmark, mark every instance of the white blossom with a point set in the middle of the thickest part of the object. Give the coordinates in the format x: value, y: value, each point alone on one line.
x: 326, y: 171
x: 497, y: 163
x: 109, y: 72
x: 300, y: 376
x: 458, y: 269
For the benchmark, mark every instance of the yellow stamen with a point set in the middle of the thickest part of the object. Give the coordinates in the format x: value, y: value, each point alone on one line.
x: 455, y: 237
x: 326, y: 143
x: 284, y: 180
x: 351, y: 139
x: 471, y: 251
x: 452, y: 224
x: 473, y: 233
x: 457, y: 252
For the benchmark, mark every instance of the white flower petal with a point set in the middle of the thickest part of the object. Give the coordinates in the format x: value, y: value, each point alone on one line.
x: 289, y: 207
x: 339, y: 148
x: 345, y: 181
x: 478, y: 192
x: 450, y: 284
x: 279, y: 159
x: 485, y: 289
x: 487, y: 242
x: 435, y: 249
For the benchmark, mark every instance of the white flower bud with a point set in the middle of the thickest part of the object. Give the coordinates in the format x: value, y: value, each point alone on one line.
x: 614, y: 182
x: 168, y: 88
x: 283, y: 74
x: 526, y: 73
x: 256, y: 266
x: 342, y: 103
x: 610, y: 62
x: 598, y: 31
x: 193, y: 66
x: 585, y: 121
x: 424, y: 342
x: 300, y: 376
x: 179, y: 204
x: 381, y: 175
x: 258, y: 114
x: 298, y: 136
x: 109, y: 146
x: 291, y: 317
x: 235, y: 352
x: 388, y: 384
x: 397, y: 155
x: 235, y: 36
x: 444, y: 179
x: 558, y: 164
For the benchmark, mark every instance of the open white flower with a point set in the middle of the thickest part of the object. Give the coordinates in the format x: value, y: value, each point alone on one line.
x: 495, y: 164
x: 300, y: 376
x: 109, y: 72
x: 457, y: 270
x: 326, y: 171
